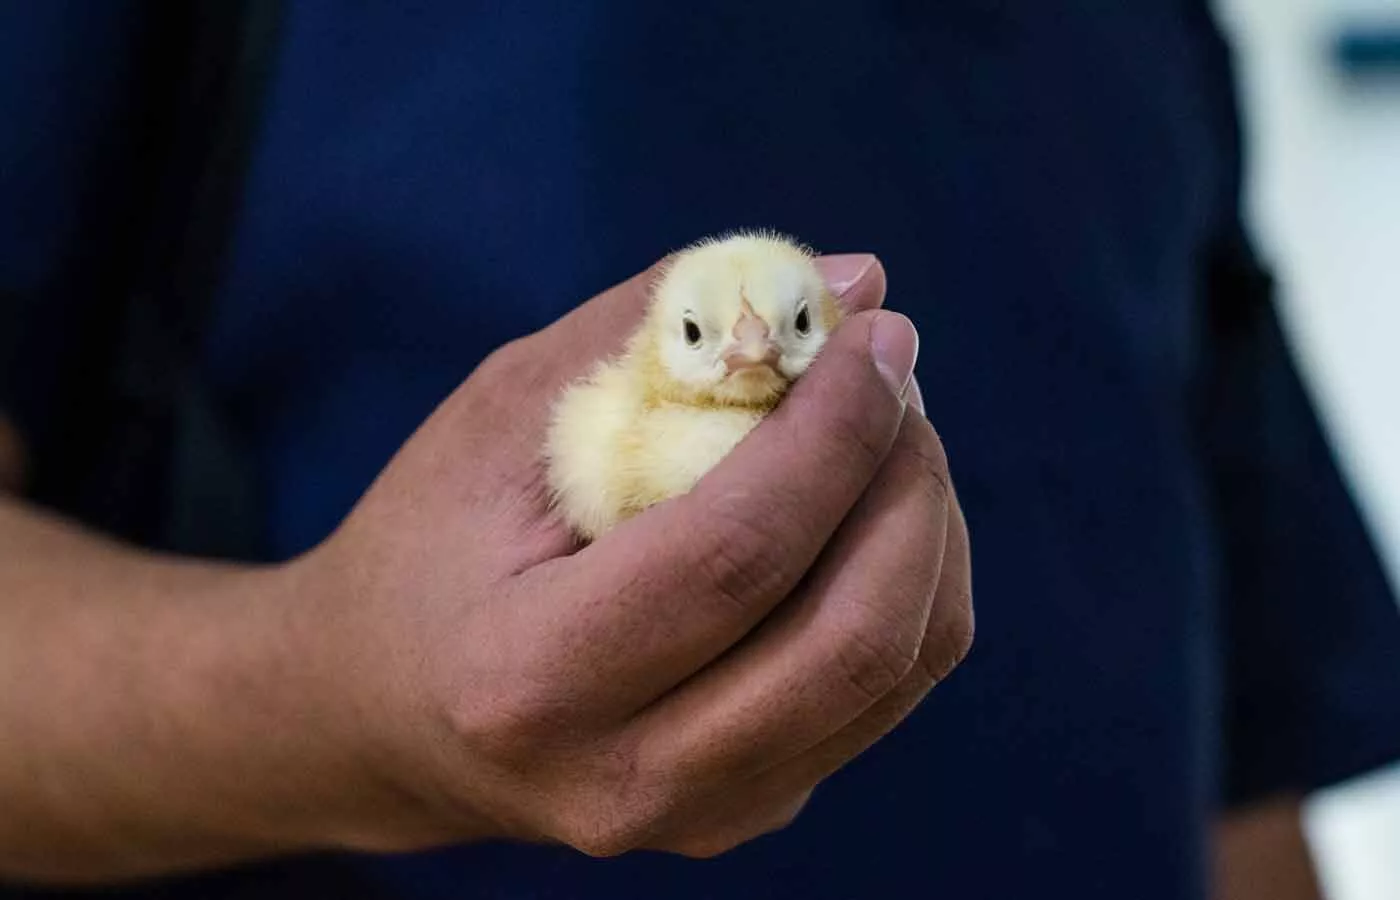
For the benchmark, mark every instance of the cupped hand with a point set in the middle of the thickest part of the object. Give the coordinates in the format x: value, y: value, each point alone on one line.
x: 681, y: 684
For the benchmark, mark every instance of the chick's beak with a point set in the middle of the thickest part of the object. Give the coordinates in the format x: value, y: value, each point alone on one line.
x: 753, y: 346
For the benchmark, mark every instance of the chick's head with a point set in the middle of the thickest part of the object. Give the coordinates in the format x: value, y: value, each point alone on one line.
x: 735, y: 321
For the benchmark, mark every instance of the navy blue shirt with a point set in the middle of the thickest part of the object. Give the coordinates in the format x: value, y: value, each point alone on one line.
x: 1177, y: 606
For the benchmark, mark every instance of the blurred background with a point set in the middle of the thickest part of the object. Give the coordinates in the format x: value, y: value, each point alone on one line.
x: 1321, y: 87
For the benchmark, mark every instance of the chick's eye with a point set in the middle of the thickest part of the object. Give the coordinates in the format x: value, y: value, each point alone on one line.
x: 692, y: 333
x: 803, y: 323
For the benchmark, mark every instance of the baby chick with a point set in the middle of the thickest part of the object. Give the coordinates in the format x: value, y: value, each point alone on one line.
x: 733, y: 321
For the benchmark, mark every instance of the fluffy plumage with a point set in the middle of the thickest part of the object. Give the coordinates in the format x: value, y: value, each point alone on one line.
x: 733, y: 321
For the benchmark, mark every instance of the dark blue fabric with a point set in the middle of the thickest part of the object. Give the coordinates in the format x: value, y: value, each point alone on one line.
x: 1160, y: 539
x: 1307, y: 688
x: 66, y: 70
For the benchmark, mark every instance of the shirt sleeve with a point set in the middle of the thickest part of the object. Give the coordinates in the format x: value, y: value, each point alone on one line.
x: 1311, y: 626
x: 1309, y: 623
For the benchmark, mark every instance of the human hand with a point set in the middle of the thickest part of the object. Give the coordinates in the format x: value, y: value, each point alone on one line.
x: 681, y: 684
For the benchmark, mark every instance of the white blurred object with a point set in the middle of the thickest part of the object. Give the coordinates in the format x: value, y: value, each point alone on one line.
x: 1355, y: 834
x: 1324, y: 204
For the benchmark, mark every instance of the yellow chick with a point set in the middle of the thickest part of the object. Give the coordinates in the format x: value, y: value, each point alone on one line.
x: 732, y: 322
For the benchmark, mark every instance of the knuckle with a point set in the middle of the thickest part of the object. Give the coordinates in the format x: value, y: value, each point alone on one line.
x: 604, y: 826
x: 856, y: 438
x: 931, y: 460
x: 786, y: 814
x: 705, y: 846
x: 495, y: 734
x: 961, y: 633
x: 873, y: 661
x: 613, y: 807
x: 603, y: 840
x: 519, y: 723
x: 949, y: 641
x: 741, y: 562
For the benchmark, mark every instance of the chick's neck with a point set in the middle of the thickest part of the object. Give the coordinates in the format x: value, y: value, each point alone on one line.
x: 661, y: 388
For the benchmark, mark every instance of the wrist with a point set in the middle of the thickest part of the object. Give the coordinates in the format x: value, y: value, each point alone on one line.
x: 169, y: 715
x: 406, y: 779
x: 305, y: 728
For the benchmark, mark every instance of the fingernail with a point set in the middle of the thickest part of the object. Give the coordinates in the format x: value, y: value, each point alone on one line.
x: 894, y: 344
x: 913, y: 395
x: 843, y: 270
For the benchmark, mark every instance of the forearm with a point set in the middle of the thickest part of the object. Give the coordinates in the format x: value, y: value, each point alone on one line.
x: 156, y: 714
x: 1262, y: 854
